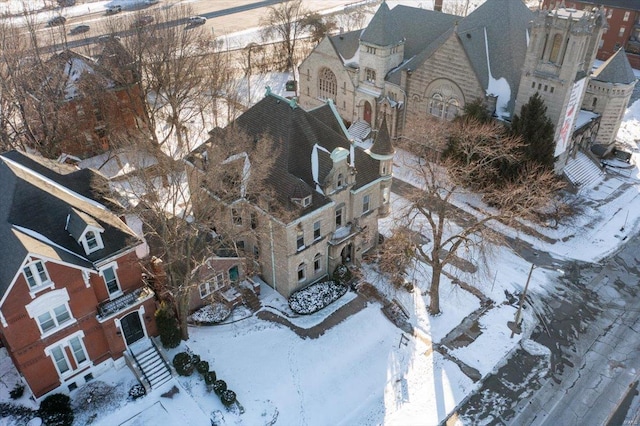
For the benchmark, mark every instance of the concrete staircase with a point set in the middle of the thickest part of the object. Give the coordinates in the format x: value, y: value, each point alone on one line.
x: 582, y: 171
x: 250, y: 299
x: 360, y: 130
x: 152, y: 366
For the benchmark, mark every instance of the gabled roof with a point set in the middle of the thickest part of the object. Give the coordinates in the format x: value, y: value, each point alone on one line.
x: 33, y: 215
x: 383, y: 30
x: 305, y: 142
x: 494, y: 37
x: 616, y: 69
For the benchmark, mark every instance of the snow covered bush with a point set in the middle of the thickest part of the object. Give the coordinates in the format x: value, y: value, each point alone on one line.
x: 315, y: 297
x: 219, y: 386
x: 17, y: 391
x: 202, y: 367
x: 55, y: 410
x: 210, y: 314
x: 137, y: 391
x: 209, y: 379
x: 228, y: 397
x: 183, y: 363
x: 342, y: 274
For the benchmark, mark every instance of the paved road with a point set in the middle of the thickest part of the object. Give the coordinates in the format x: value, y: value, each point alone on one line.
x: 591, y: 327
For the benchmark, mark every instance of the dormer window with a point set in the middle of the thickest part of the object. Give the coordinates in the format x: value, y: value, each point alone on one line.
x: 91, y: 240
x: 306, y: 201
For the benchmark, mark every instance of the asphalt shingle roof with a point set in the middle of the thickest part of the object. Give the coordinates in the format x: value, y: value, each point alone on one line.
x: 33, y: 215
x: 297, y: 134
x: 616, y: 69
x: 383, y: 30
x: 382, y: 143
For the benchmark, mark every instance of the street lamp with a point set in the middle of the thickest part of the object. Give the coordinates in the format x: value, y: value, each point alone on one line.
x: 515, y: 326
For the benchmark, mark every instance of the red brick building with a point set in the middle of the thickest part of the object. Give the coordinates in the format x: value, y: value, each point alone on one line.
x: 73, y: 298
x: 86, y: 105
x: 623, y: 17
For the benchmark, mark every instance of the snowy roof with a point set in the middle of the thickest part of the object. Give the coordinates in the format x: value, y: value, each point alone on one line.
x: 584, y: 117
x: 616, y: 69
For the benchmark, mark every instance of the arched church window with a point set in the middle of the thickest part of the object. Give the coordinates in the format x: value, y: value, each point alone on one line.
x: 436, y: 105
x: 452, y: 109
x: 327, y: 84
x: 556, y: 45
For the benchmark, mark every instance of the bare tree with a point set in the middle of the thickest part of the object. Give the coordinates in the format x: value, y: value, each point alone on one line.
x: 352, y: 17
x: 284, y: 22
x: 444, y: 177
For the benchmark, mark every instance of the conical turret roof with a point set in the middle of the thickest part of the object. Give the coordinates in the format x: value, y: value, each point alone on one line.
x: 383, y: 30
x: 382, y: 144
x: 616, y: 69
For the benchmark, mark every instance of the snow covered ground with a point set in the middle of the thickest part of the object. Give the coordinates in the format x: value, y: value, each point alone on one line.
x: 360, y: 372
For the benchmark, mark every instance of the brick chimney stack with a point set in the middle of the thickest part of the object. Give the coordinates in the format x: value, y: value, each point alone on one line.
x: 437, y: 6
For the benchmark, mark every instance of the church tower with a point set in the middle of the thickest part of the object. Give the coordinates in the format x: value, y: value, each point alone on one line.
x: 560, y: 53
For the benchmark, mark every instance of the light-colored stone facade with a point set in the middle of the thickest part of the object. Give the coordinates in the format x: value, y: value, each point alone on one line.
x: 462, y: 64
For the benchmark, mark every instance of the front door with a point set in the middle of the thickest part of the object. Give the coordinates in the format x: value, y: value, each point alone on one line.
x: 346, y: 253
x: 367, y: 112
x: 132, y: 328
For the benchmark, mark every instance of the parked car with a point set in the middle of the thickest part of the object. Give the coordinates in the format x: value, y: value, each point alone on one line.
x: 197, y: 20
x: 57, y: 20
x: 150, y: 2
x: 142, y: 21
x: 114, y: 9
x: 105, y: 38
x: 80, y: 29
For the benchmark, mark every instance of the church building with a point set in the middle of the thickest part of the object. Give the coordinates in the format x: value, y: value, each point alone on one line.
x: 410, y: 63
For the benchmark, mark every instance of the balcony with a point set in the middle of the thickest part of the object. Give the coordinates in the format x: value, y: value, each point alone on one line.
x: 343, y: 233
x: 109, y: 308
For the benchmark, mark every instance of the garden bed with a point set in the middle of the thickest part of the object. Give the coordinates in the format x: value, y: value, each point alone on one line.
x: 315, y: 297
x: 210, y: 314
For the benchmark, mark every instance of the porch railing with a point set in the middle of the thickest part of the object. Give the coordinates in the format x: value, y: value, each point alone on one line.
x: 111, y: 307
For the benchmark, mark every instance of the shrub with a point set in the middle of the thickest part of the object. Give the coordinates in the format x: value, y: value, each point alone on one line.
x: 342, y: 274
x: 202, y: 367
x: 219, y: 386
x: 137, y: 391
x: 17, y: 391
x: 228, y: 397
x: 167, y: 326
x: 210, y: 377
x: 55, y: 410
x: 315, y: 297
x: 183, y: 363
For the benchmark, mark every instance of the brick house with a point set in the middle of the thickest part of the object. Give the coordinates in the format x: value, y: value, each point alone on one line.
x: 411, y: 63
x: 329, y: 192
x: 623, y: 32
x: 73, y: 297
x: 85, y: 106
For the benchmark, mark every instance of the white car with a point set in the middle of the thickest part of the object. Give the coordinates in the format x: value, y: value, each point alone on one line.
x: 197, y: 20
x: 150, y: 2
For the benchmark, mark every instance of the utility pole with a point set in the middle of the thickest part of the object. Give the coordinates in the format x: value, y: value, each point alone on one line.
x: 516, y: 325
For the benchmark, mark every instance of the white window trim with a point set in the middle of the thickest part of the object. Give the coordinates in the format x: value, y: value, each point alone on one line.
x: 46, y: 303
x: 218, y: 280
x: 64, y: 344
x: 97, y: 232
x: 366, y: 197
x: 42, y: 285
x: 113, y: 265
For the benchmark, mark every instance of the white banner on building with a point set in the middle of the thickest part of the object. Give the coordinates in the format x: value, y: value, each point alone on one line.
x: 573, y: 107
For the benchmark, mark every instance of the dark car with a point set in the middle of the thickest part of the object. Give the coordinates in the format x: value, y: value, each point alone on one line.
x: 142, y: 21
x: 57, y: 20
x: 114, y: 9
x: 80, y: 29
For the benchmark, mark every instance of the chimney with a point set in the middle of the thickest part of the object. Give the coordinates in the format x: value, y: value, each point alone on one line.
x: 437, y: 6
